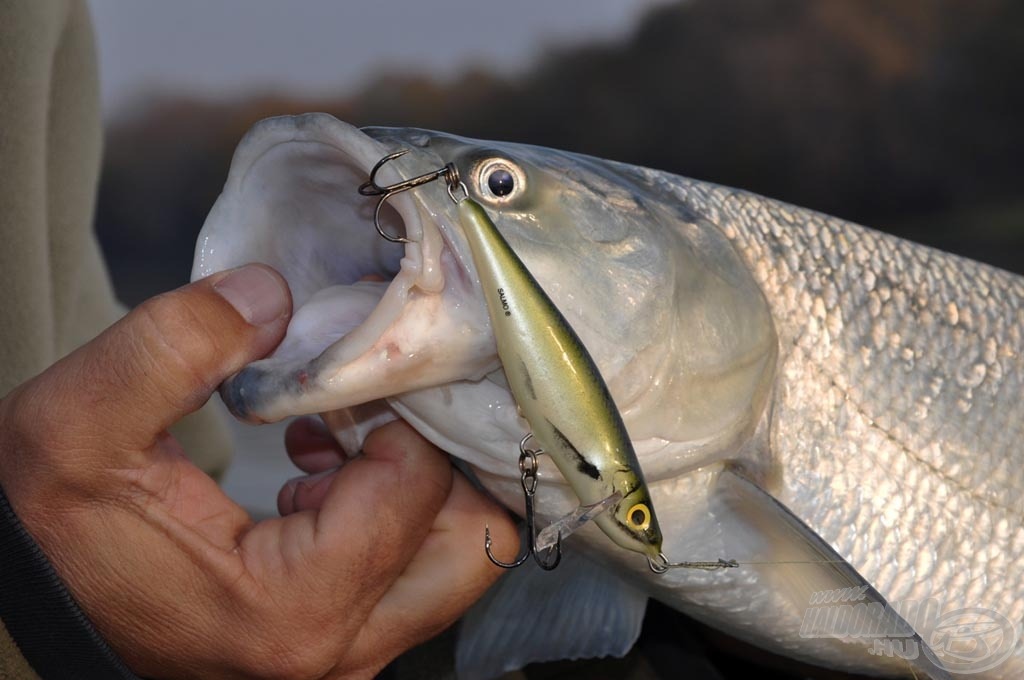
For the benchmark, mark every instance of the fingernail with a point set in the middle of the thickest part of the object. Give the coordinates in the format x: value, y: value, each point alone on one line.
x: 320, y: 460
x: 258, y: 295
x: 319, y: 428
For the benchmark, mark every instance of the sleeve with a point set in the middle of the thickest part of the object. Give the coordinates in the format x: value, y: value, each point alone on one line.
x: 57, y: 293
x: 41, y: 616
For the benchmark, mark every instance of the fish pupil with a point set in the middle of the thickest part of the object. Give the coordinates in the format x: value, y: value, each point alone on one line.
x: 501, y: 182
x: 637, y: 517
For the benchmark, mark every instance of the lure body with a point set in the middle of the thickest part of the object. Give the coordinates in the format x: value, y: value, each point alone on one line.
x: 559, y: 389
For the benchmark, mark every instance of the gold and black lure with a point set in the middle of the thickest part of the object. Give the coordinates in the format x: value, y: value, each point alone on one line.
x: 559, y: 390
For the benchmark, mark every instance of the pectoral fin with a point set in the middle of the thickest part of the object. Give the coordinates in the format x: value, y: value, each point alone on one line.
x: 824, y: 586
x: 578, y: 611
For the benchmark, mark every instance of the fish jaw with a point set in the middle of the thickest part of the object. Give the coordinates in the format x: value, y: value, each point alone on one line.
x: 425, y: 344
x: 677, y: 327
x: 290, y: 201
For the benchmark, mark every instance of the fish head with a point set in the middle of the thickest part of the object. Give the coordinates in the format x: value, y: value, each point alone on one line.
x: 678, y: 328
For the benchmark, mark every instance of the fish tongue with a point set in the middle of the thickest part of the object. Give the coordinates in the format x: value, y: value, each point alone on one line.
x: 328, y: 316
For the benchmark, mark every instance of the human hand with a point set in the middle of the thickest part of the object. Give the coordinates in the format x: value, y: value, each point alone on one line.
x: 380, y: 556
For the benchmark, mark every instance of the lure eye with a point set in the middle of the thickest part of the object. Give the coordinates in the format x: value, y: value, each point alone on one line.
x: 639, y: 517
x: 500, y: 180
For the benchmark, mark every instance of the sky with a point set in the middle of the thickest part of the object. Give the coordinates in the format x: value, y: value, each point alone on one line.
x: 234, y: 48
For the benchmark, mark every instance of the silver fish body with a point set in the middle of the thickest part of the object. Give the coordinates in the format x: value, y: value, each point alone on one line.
x: 762, y: 357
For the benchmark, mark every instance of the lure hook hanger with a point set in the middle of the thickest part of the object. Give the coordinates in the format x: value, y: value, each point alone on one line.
x: 370, y: 188
x: 660, y: 564
x: 528, y: 479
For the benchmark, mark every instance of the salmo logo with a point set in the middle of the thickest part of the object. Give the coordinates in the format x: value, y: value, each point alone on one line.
x: 504, y: 302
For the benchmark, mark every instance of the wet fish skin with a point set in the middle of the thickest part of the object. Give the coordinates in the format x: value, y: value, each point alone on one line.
x: 869, y: 384
x: 896, y: 419
x: 900, y: 370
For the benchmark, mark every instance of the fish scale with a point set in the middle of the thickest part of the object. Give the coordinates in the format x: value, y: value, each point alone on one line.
x: 910, y: 383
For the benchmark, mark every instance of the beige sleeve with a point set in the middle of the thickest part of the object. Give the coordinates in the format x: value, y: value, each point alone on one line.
x: 57, y: 293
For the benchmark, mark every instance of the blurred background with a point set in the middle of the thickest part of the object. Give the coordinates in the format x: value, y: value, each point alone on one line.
x: 905, y: 116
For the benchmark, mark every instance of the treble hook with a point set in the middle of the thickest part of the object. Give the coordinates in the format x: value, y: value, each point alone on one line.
x: 371, y: 188
x: 528, y: 479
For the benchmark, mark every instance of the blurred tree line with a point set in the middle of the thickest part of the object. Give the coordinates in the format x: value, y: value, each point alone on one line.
x: 905, y: 116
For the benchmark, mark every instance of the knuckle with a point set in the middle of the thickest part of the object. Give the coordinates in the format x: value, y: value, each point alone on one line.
x: 36, y: 424
x: 40, y: 456
x: 23, y: 421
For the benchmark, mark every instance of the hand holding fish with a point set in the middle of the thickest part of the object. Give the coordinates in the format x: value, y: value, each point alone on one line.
x: 178, y: 578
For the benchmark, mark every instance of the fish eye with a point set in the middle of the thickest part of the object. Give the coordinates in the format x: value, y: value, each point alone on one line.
x: 500, y: 180
x: 639, y: 517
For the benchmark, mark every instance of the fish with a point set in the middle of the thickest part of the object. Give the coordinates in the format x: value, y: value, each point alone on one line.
x: 834, y: 408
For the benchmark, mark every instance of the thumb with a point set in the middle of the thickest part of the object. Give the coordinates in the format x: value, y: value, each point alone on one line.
x: 164, y: 359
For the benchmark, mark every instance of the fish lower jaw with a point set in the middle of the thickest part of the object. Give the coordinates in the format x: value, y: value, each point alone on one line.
x: 352, y: 344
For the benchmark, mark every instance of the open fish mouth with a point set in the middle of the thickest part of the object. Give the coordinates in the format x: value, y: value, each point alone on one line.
x: 371, y: 318
x: 677, y: 326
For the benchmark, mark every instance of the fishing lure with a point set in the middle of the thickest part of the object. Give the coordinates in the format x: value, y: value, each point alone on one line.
x: 558, y: 387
